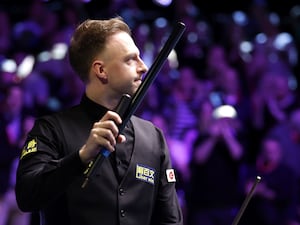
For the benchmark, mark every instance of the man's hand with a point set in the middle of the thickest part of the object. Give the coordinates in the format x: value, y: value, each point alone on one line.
x: 104, y: 134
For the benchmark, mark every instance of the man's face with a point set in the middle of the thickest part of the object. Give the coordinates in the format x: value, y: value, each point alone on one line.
x: 122, y: 64
x: 271, y: 151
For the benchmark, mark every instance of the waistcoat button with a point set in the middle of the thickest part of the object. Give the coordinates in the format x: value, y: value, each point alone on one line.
x: 122, y: 212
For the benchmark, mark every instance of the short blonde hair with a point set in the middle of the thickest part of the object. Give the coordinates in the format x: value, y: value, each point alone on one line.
x: 89, y: 39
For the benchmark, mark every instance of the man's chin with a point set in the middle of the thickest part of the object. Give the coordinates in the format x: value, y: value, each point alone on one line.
x: 138, y: 82
x: 136, y: 87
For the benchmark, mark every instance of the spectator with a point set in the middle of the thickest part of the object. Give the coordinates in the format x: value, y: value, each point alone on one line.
x: 288, y: 135
x: 11, y: 133
x: 275, y: 198
x: 216, y: 157
x: 184, y: 102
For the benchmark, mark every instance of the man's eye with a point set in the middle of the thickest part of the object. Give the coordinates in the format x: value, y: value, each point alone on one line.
x: 131, y: 60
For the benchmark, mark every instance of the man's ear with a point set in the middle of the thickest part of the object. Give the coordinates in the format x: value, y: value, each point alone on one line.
x: 99, y: 71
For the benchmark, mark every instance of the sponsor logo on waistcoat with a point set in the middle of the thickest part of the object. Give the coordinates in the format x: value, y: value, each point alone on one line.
x: 145, y: 173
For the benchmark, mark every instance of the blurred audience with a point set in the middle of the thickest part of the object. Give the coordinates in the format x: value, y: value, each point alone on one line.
x: 14, y: 124
x: 275, y: 198
x: 217, y: 154
x: 287, y: 133
x: 183, y: 102
x: 246, y: 58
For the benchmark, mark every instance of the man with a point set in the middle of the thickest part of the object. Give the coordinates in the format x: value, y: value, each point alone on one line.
x: 131, y: 186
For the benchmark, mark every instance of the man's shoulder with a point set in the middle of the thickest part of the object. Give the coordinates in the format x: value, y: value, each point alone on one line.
x: 60, y: 115
x: 141, y: 121
x: 145, y: 125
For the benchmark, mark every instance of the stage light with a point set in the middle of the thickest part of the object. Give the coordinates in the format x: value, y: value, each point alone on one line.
x: 282, y: 40
x: 224, y: 111
x: 240, y: 18
x: 161, y: 22
x: 59, y: 51
x: 26, y: 66
x: 163, y: 3
x: 9, y: 65
x: 261, y: 38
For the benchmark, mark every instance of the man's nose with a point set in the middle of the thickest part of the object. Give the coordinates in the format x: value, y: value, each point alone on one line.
x: 143, y: 66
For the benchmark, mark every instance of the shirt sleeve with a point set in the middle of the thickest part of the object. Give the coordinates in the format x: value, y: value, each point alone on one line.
x: 44, y: 173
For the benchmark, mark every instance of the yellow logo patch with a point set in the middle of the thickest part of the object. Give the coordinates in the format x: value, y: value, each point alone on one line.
x: 29, y: 148
x: 145, y: 173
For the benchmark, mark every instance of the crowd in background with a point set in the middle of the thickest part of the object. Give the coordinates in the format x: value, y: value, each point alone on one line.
x: 246, y: 58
